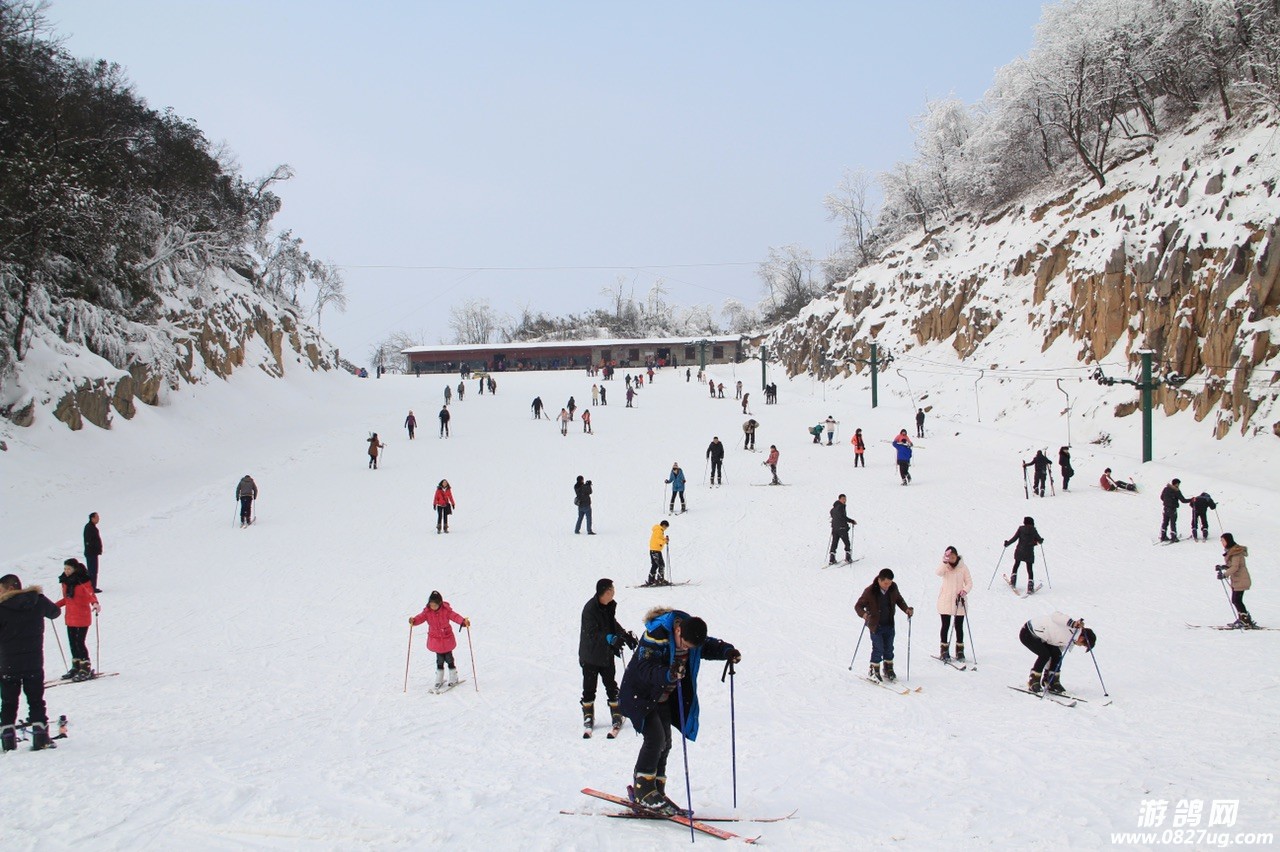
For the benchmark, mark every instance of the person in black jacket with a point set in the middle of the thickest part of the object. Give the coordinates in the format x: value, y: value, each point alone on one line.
x: 1027, y: 538
x: 1170, y: 497
x: 840, y: 529
x: 1064, y: 463
x: 1041, y: 464
x: 599, y: 642
x: 444, y: 421
x: 92, y: 548
x: 582, y: 499
x: 715, y: 452
x: 246, y: 493
x: 1200, y: 506
x: 22, y: 615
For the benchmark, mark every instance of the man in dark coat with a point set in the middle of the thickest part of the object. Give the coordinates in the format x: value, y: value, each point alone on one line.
x: 875, y: 608
x: 582, y: 499
x: 715, y: 452
x: 246, y: 493
x: 840, y: 529
x: 22, y: 615
x: 919, y: 422
x: 444, y: 422
x: 600, y: 641
x: 1064, y: 463
x: 1200, y: 506
x: 1027, y: 538
x: 1170, y: 497
x: 1041, y: 464
x: 92, y: 548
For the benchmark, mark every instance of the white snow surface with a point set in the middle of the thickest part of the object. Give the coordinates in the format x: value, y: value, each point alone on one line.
x: 260, y: 700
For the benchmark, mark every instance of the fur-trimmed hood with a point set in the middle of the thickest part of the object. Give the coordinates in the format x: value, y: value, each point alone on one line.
x: 656, y: 612
x: 9, y: 593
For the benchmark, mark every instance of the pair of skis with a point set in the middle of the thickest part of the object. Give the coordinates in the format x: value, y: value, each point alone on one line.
x: 52, y: 683
x: 893, y: 687
x: 588, y: 728
x: 638, y: 811
x: 955, y: 664
x: 1013, y: 587
x: 445, y: 687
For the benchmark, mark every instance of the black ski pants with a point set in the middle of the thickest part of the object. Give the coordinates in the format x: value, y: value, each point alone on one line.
x: 442, y: 517
x: 1029, y: 561
x: 674, y: 495
x: 76, y: 638
x: 944, y: 635
x: 608, y: 675
x: 1169, y: 521
x: 1038, y: 481
x: 656, y: 565
x: 749, y: 441
x: 652, y: 759
x: 717, y: 470
x: 14, y: 684
x: 1046, y: 654
x: 1237, y: 601
x: 445, y: 659
x: 444, y: 428
x: 840, y: 537
x: 904, y: 470
x: 246, y: 509
x: 1067, y: 473
x: 1200, y: 521
x: 91, y: 562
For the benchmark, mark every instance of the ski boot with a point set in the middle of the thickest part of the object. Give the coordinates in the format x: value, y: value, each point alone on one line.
x: 848, y: 557
x: 669, y: 804
x: 1013, y: 581
x: 439, y: 680
x: 944, y: 652
x: 1054, y: 685
x: 82, y: 670
x: 453, y: 676
x: 874, y: 674
x: 1034, y: 681
x: 1246, y: 621
x: 8, y: 738
x: 831, y: 559
x: 588, y: 719
x: 615, y: 720
x: 959, y: 652
x: 71, y: 672
x: 1031, y: 587
x: 40, y: 737
x: 887, y: 665
x: 644, y: 792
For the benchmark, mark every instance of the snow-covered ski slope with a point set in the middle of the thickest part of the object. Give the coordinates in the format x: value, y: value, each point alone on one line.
x: 260, y: 703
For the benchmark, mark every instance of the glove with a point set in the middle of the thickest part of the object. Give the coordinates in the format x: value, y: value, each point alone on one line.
x: 734, y: 656
x: 411, y: 621
x: 677, y: 670
x: 97, y: 609
x: 631, y: 641
x: 614, y: 641
x: 466, y: 622
x: 1222, y: 575
x: 961, y: 593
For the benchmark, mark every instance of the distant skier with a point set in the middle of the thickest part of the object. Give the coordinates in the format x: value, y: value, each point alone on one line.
x: 902, y: 445
x: 462, y: 391
x: 720, y: 390
x: 840, y: 522
x: 859, y: 449
x: 658, y: 539
x: 22, y: 615
x: 749, y: 434
x: 919, y: 422
x: 831, y: 423
x: 572, y: 406
x: 1170, y: 498
x: 444, y: 505
x: 582, y: 499
x: 737, y: 391
x: 687, y: 374
x: 1107, y: 483
x: 876, y: 608
x: 448, y: 395
x: 440, y: 639
x: 745, y: 397
x: 563, y: 419
x: 676, y: 480
x: 374, y: 446
x: 600, y: 640
x: 537, y: 408
x: 444, y: 421
x: 816, y: 431
x: 246, y: 493
x: 411, y: 423
x: 595, y: 394
x: 1047, y: 637
x: 1200, y: 506
x: 586, y: 421
x: 631, y: 395
x: 711, y: 385
x: 1064, y: 465
x: 480, y: 385
x: 81, y: 605
x: 92, y: 547
x: 1041, y: 464
x: 771, y: 462
x: 604, y: 395
x: 715, y: 452
x: 953, y: 601
x: 1027, y: 537
x: 1236, y: 571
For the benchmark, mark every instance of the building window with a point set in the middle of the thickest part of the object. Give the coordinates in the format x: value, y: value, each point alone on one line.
x: 635, y: 355
x: 690, y: 353
x: 717, y: 353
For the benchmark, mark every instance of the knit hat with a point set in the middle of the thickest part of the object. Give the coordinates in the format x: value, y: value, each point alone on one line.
x: 603, y: 585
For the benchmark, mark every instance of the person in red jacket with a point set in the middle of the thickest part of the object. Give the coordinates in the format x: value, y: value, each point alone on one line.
x: 81, y: 605
x: 444, y: 505
x: 437, y: 614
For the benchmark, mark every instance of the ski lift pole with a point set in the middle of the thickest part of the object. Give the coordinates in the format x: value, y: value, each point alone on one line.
x: 1068, y: 396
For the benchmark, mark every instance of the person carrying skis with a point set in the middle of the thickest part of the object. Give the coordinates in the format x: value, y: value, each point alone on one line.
x: 1200, y: 506
x: 1106, y: 483
x: 658, y: 539
x: 840, y: 522
x: 919, y: 422
x: 953, y: 601
x: 771, y: 462
x: 859, y: 448
x: 92, y: 547
x: 374, y: 446
x: 676, y: 480
x: 1041, y: 464
x: 831, y: 424
x: 1064, y: 464
x: 246, y: 493
x: 664, y: 672
x: 715, y: 452
x: 1236, y: 571
x: 1048, y: 637
x: 875, y: 608
x: 443, y: 502
x: 537, y: 408
x: 22, y: 615
x: 440, y: 639
x: 1170, y: 497
x: 586, y: 421
x: 600, y: 640
x: 444, y: 421
x: 1027, y: 537
x: 902, y: 445
x: 81, y: 605
x: 749, y: 434
x: 582, y: 499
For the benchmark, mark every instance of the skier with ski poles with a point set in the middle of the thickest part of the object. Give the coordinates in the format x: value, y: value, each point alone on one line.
x: 957, y: 582
x: 831, y: 423
x: 919, y: 422
x: 374, y: 446
x: 440, y: 639
x: 1048, y: 637
x: 444, y: 504
x: 81, y: 605
x: 1237, y: 573
x: 1027, y: 537
x: 840, y: 523
x: 246, y: 493
x: 875, y: 608
x: 1064, y: 465
x: 676, y: 480
x: 1170, y: 498
x: 600, y: 640
x: 444, y: 421
x: 659, y: 688
x: 715, y: 452
x: 22, y: 615
x: 1041, y: 464
x: 658, y: 539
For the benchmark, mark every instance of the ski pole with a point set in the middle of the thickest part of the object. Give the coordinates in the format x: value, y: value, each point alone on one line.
x: 407, y: 654
x: 908, y: 648
x: 60, y: 653
x: 1025, y: 492
x: 1045, y: 560
x: 1062, y: 659
x: 997, y: 571
x: 857, y: 646
x: 964, y: 604
x: 671, y: 575
x: 705, y: 467
x: 1227, y: 591
x: 684, y: 744
x: 1219, y: 519
x: 733, y: 729
x: 475, y: 678
x: 97, y: 642
x: 1099, y: 671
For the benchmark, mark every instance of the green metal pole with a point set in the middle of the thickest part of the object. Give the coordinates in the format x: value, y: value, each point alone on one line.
x: 702, y: 355
x: 875, y: 377
x: 1146, y: 404
x: 764, y: 362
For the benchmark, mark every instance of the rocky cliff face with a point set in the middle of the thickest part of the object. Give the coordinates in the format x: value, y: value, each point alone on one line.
x: 1179, y: 253
x: 87, y: 364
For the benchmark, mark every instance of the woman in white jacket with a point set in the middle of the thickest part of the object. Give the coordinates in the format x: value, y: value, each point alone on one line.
x: 1047, y: 637
x: 952, y: 601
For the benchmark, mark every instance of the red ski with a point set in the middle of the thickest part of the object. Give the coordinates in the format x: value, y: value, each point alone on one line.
x: 705, y: 828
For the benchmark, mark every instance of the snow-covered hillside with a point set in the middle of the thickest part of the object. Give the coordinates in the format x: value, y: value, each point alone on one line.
x: 260, y: 699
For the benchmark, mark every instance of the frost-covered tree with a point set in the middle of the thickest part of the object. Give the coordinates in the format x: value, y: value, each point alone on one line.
x: 474, y: 321
x: 787, y: 274
x: 852, y: 205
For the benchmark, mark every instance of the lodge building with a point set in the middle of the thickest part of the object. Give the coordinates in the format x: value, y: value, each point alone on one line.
x: 573, y: 354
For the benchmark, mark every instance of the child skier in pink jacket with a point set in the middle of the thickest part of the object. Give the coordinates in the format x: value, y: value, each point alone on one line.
x: 437, y: 614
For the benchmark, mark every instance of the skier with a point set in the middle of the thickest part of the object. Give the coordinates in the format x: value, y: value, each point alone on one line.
x: 595, y: 395
x: 1170, y: 497
x: 687, y: 374
x: 745, y: 397
x: 919, y: 422
x: 572, y: 406
x: 537, y: 408
x: 480, y: 385
x: 658, y: 539
x: 711, y: 386
x: 1041, y: 464
x: 631, y: 395
x: 676, y: 480
x: 443, y: 501
x: 1108, y: 484
x: 715, y: 452
x: 902, y: 445
x: 749, y: 434
x: 1047, y: 637
x: 840, y: 522
x: 953, y: 601
x: 664, y: 672
x: 440, y: 639
x: 374, y: 446
x: 444, y: 421
x: 246, y: 493
x: 586, y: 421
x: 22, y: 615
x: 411, y: 423
x: 81, y: 605
x: 563, y: 418
x: 462, y: 391
x: 831, y: 424
x: 771, y: 462
x: 448, y: 395
x: 1235, y: 570
x: 738, y: 390
x: 1200, y: 506
x: 1064, y: 464
x: 875, y: 608
x: 92, y: 548
x: 859, y: 447
x: 600, y: 639
x: 720, y: 391
x: 816, y: 432
x: 1027, y: 538
x: 604, y: 395
x: 582, y: 499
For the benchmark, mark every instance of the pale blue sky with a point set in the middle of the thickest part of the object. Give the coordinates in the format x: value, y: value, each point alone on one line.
x: 555, y: 134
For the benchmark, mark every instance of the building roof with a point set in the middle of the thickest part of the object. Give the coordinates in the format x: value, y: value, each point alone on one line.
x: 582, y: 344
